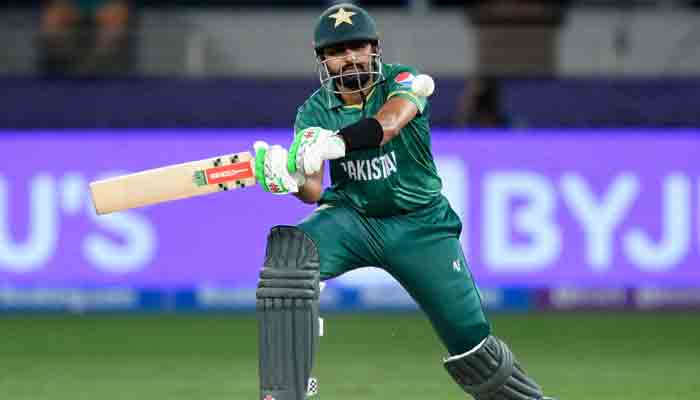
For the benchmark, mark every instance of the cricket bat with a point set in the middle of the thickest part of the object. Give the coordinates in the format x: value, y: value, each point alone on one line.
x: 173, y: 182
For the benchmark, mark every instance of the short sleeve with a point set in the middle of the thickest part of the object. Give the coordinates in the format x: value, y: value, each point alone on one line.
x: 304, y: 119
x: 399, y: 81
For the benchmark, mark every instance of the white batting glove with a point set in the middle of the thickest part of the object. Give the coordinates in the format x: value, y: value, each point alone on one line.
x: 312, y: 146
x: 271, y: 169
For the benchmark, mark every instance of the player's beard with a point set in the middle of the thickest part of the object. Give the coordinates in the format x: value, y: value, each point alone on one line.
x: 353, y: 78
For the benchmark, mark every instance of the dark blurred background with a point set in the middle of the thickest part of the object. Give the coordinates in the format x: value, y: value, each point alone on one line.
x: 586, y: 63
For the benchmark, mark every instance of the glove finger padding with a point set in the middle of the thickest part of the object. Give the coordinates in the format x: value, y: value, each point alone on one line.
x: 312, y: 146
x: 271, y: 169
x: 277, y: 169
x: 312, y: 161
x: 335, y: 148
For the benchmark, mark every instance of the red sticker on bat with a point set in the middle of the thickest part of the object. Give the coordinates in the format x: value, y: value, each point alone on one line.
x: 228, y: 173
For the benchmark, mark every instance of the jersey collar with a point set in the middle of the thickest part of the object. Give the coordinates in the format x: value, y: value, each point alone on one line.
x: 335, y: 102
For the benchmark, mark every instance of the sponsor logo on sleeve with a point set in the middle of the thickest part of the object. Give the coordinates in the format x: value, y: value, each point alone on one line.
x: 404, y: 79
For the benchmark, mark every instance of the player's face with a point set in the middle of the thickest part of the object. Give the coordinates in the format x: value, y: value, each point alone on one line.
x: 349, y: 64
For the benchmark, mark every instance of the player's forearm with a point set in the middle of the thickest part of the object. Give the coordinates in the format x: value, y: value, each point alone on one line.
x: 310, y: 192
x: 390, y: 127
x: 394, y: 115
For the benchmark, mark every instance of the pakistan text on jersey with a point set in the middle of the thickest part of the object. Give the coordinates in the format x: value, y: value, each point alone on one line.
x: 373, y: 169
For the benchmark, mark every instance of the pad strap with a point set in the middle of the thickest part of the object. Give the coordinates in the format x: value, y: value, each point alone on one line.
x: 288, y: 284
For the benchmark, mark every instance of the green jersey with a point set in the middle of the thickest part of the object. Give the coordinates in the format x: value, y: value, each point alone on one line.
x: 392, y: 179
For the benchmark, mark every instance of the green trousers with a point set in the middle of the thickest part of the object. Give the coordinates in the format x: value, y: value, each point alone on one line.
x: 420, y: 249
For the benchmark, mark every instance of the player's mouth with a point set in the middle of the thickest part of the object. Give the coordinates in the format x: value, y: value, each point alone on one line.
x: 353, y: 77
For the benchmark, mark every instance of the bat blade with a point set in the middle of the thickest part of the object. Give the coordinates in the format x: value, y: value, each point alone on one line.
x: 173, y: 182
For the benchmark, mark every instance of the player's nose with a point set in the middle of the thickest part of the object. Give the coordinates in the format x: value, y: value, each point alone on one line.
x: 350, y: 54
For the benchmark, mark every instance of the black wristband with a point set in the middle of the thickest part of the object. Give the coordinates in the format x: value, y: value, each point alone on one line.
x: 366, y: 133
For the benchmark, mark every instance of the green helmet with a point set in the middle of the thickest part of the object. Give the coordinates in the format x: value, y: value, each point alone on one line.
x: 344, y: 23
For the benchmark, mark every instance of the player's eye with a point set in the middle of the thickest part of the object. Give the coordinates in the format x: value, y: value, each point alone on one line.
x: 333, y: 51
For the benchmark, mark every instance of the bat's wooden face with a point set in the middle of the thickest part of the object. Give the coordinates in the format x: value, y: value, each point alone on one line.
x: 173, y: 182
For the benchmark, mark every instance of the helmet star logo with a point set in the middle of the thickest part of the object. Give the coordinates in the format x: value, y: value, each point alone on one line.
x: 342, y: 17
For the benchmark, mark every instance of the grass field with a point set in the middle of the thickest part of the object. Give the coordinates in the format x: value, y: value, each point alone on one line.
x: 586, y: 356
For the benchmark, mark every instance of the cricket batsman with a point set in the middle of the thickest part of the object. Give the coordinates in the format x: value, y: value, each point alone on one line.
x: 384, y: 208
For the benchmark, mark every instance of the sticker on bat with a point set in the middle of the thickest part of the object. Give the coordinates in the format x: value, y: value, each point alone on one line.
x: 226, y: 173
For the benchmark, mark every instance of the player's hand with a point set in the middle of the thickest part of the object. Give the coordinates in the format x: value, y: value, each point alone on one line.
x: 312, y: 146
x: 271, y: 169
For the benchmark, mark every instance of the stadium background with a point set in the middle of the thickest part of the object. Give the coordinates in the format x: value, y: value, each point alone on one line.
x: 566, y: 133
